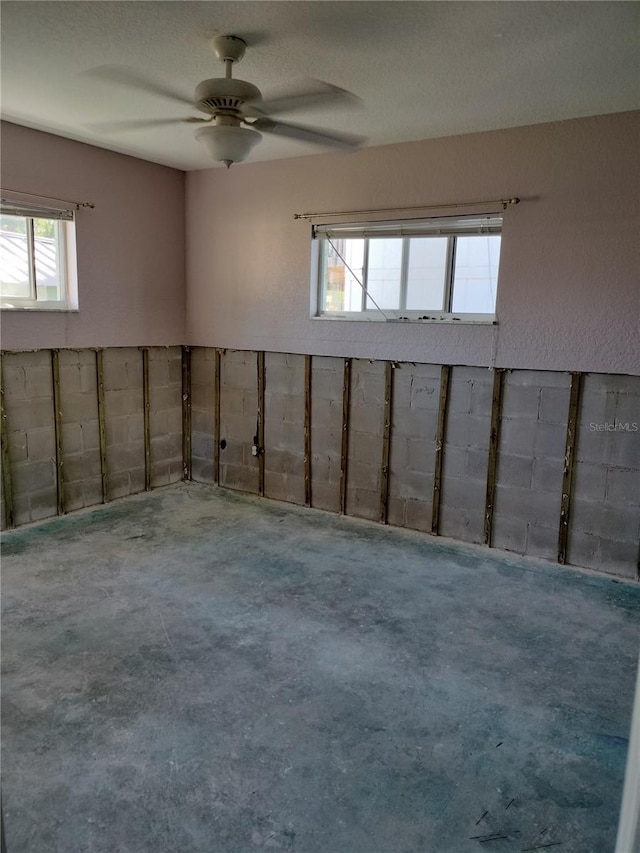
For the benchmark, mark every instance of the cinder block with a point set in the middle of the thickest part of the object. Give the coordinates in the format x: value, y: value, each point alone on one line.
x: 14, y: 380
x: 202, y: 445
x: 23, y: 415
x: 460, y: 524
x: 79, y: 407
x: 325, y: 384
x: 421, y: 455
x: 482, y: 396
x: 628, y: 413
x: 125, y: 457
x: 362, y: 476
x: 201, y: 470
x: 554, y: 405
x: 159, y: 474
x: 455, y: 461
x: 543, y: 541
x: 362, y: 503
x: 43, y: 504
x: 547, y: 474
x: 538, y: 378
x: 623, y: 486
x: 589, y: 481
x: 396, y: 511
x: 80, y: 466
x: 69, y: 377
x: 527, y: 505
x: 613, y: 522
x: 232, y: 454
x: 425, y: 393
x: 17, y: 446
x: 366, y: 448
x: 462, y: 493
x: 239, y: 477
x: 325, y: 496
x: 175, y: 370
x: 31, y: 477
x: 165, y: 447
x: 284, y: 487
x: 413, y: 485
x: 118, y: 484
x: 459, y: 394
x: 467, y: 431
x: 520, y: 402
x: 619, y: 558
x: 514, y: 470
x: 509, y: 534
x: 284, y: 462
x: 127, y: 402
x: 169, y: 397
x: 39, y: 381
x: 418, y: 515
x: 159, y: 369
x: 41, y: 444
x: 477, y: 464
x: 294, y: 409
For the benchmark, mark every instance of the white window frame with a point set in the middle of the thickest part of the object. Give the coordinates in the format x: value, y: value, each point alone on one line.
x: 66, y: 258
x: 450, y: 227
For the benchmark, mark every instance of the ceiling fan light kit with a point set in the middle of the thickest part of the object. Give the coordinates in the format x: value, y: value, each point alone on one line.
x: 227, y: 143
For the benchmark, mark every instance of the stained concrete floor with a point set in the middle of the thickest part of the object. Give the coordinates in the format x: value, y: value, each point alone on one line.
x: 195, y: 670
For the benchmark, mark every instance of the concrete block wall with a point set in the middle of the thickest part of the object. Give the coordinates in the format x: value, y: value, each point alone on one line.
x: 165, y: 415
x: 326, y: 431
x: 465, y: 457
x: 238, y: 420
x: 37, y: 472
x: 365, y: 438
x: 284, y: 427
x: 81, y: 471
x: 604, y: 523
x: 203, y: 386
x: 533, y: 431
x: 30, y: 431
x: 124, y: 419
x: 603, y: 496
x: 416, y: 392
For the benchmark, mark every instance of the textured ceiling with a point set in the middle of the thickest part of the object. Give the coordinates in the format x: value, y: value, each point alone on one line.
x: 421, y: 69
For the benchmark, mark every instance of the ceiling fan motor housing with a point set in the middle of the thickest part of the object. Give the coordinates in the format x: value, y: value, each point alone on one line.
x: 224, y: 93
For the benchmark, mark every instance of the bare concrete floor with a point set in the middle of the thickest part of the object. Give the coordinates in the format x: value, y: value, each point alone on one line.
x: 195, y: 670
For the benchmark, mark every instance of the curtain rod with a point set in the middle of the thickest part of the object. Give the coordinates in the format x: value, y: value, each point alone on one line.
x: 505, y: 202
x: 76, y: 204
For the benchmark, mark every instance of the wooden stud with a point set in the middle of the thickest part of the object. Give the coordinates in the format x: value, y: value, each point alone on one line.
x: 260, y: 435
x: 7, y: 490
x: 102, y: 432
x: 567, y: 471
x: 307, y: 430
x: 492, y: 462
x: 57, y: 427
x: 147, y: 418
x: 386, y: 441
x: 344, y: 456
x: 186, y: 413
x: 216, y: 416
x: 445, y: 373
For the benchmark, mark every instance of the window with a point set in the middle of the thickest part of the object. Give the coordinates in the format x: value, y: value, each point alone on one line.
x: 431, y: 269
x: 37, y: 258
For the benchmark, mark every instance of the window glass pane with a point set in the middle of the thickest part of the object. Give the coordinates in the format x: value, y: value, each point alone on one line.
x: 383, y: 272
x: 475, y: 277
x: 47, y: 259
x: 426, y: 273
x: 14, y: 257
x: 341, y: 289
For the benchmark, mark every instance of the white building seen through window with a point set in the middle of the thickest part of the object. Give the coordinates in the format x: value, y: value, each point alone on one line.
x: 435, y: 269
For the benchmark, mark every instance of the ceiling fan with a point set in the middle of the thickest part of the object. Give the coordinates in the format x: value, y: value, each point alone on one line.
x: 237, y: 113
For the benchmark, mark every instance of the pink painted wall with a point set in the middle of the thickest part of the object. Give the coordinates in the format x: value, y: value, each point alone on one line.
x: 131, y: 261
x: 569, y: 288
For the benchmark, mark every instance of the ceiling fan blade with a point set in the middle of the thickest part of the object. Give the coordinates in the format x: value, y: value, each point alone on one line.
x: 133, y: 79
x: 321, y: 95
x: 316, y: 136
x: 136, y: 124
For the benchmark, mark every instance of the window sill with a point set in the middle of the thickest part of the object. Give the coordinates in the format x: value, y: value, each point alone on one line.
x: 453, y: 320
x: 22, y: 309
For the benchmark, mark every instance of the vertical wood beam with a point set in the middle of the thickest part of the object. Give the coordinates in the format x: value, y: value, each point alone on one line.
x: 307, y: 430
x: 567, y: 471
x: 7, y: 490
x: 445, y: 374
x: 102, y: 431
x: 344, y: 454
x: 216, y: 415
x: 260, y: 435
x: 186, y: 413
x: 386, y: 441
x: 146, y: 401
x: 57, y: 427
x: 492, y: 462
